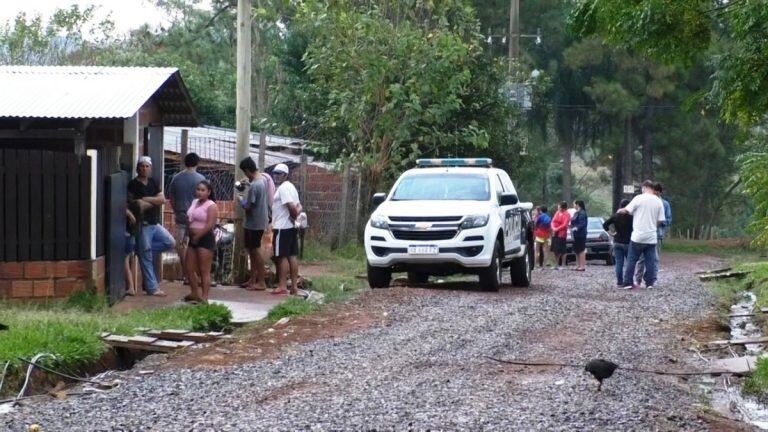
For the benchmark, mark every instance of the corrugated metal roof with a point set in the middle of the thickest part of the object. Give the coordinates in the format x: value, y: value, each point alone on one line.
x: 84, y: 91
x: 219, y: 144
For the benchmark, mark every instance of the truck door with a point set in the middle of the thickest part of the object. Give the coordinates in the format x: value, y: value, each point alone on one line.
x: 510, y: 218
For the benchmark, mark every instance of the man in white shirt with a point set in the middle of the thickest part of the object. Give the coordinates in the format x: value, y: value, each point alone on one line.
x: 647, y: 212
x: 285, y: 210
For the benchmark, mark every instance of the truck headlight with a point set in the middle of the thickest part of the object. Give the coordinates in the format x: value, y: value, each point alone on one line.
x: 379, y: 222
x: 474, y: 221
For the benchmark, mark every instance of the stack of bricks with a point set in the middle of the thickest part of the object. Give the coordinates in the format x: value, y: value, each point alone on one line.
x: 46, y: 279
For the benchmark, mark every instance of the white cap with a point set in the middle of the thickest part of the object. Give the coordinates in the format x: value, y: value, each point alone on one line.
x: 145, y: 159
x: 281, y: 169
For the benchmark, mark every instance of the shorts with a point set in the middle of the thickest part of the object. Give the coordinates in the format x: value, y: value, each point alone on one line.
x: 542, y: 240
x: 253, y: 238
x: 579, y: 244
x: 559, y: 245
x: 206, y: 242
x: 181, y: 234
x: 286, y: 242
x: 130, y: 243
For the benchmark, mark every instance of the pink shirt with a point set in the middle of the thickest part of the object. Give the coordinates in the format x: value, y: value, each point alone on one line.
x: 198, y: 215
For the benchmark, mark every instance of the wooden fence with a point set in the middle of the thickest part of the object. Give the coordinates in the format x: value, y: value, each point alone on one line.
x: 45, y: 205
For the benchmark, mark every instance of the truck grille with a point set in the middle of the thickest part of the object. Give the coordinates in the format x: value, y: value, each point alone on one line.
x: 425, y: 218
x: 424, y: 235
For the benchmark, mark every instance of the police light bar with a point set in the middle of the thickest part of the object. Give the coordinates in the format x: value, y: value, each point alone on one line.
x: 456, y: 162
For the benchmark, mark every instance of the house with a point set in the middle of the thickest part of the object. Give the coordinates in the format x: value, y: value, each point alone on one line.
x: 69, y: 141
x: 328, y: 194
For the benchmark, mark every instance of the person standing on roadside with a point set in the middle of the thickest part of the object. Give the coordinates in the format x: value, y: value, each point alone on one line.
x: 256, y: 205
x: 202, y: 215
x: 640, y: 270
x: 181, y: 192
x: 542, y: 231
x: 154, y: 239
x: 285, y: 211
x: 560, y: 223
x: 622, y: 230
x: 579, y: 230
x: 648, y: 214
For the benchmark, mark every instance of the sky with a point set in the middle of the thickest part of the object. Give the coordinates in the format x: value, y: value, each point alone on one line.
x: 126, y: 14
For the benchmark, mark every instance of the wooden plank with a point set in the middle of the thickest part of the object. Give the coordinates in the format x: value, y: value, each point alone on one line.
x: 129, y: 345
x: 747, y: 341
x: 85, y: 208
x: 49, y: 203
x: 737, y: 365
x: 60, y: 206
x: 722, y: 270
x: 189, y: 336
x: 22, y: 204
x: 170, y: 344
x: 74, y: 236
x: 142, y: 340
x: 716, y: 276
x: 36, y: 205
x: 10, y: 239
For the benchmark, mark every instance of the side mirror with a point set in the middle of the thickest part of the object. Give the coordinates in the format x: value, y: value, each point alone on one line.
x: 508, y: 199
x: 378, y: 198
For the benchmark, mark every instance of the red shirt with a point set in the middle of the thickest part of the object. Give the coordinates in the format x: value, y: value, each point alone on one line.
x: 560, y: 223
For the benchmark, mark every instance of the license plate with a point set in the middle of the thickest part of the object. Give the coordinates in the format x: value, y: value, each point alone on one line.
x: 423, y: 250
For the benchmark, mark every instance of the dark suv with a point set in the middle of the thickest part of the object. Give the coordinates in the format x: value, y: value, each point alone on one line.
x: 599, y: 242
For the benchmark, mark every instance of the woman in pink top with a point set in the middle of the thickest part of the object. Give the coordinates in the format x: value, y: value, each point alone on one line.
x: 203, y: 214
x: 560, y: 223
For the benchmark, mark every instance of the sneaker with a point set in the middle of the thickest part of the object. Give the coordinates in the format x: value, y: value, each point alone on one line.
x: 558, y: 268
x: 631, y: 287
x: 649, y: 287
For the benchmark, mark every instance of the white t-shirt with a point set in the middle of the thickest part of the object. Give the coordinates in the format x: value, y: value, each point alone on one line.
x: 281, y: 217
x: 647, y: 211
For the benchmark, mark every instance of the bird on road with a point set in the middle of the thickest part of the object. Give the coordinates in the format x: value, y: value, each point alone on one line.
x: 600, y: 369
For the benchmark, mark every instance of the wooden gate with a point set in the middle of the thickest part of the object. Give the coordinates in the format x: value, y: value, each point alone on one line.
x: 45, y: 205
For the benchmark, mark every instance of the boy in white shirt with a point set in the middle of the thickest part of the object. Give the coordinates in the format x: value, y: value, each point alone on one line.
x: 285, y: 210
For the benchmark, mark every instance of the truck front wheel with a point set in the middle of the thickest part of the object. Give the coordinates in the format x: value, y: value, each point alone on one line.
x: 379, y: 277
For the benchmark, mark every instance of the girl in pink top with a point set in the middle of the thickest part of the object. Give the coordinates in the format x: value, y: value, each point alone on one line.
x: 202, y: 214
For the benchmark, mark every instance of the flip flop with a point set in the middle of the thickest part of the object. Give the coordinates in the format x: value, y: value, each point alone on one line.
x: 130, y: 293
x: 279, y: 293
x: 158, y: 293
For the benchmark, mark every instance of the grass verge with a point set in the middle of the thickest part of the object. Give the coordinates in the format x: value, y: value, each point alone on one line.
x: 337, y: 289
x: 70, y: 329
x: 727, y: 248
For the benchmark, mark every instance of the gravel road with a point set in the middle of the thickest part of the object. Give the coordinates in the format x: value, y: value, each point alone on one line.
x: 424, y: 367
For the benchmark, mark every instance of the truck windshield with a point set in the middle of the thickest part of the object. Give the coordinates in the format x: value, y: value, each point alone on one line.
x: 439, y: 187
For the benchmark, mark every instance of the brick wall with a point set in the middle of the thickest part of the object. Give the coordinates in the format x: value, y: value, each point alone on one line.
x: 45, y: 279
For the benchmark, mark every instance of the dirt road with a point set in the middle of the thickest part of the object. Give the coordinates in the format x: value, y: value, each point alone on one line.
x: 415, y: 359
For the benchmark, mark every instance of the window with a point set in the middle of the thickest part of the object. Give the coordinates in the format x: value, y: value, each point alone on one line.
x: 438, y: 187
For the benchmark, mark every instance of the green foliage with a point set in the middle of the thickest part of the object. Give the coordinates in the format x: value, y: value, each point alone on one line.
x: 732, y: 33
x: 292, y: 307
x: 72, y: 334
x: 754, y: 173
x: 757, y: 383
x: 86, y: 301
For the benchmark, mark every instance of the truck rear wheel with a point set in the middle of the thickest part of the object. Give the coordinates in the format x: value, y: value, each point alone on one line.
x: 379, y: 277
x: 520, y: 270
x: 490, y: 277
x: 418, y: 278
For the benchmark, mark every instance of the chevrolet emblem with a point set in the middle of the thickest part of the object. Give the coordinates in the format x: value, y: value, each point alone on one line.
x: 423, y: 226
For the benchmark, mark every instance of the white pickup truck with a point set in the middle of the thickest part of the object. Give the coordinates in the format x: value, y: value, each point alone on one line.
x: 450, y: 216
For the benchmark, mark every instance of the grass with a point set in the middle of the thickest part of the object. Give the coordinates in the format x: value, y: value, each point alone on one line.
x: 721, y: 247
x: 757, y: 383
x: 70, y: 329
x: 337, y: 289
x: 347, y: 259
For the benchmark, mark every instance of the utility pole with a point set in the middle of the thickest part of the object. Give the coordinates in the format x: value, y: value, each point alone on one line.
x: 514, y: 32
x: 242, y: 120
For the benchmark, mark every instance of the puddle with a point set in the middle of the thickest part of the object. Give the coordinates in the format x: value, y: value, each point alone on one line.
x: 726, y: 394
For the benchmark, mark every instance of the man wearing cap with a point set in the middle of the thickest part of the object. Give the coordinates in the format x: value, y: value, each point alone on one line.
x: 153, y: 238
x: 181, y: 192
x: 285, y: 209
x: 256, y: 205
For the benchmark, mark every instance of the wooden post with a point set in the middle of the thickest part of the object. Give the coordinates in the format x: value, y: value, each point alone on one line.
x: 184, y: 144
x: 343, y: 230
x: 243, y: 122
x: 303, y: 179
x: 358, y: 203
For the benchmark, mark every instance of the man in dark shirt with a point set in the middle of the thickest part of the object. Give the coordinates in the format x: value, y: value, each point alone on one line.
x: 622, y: 224
x: 154, y: 238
